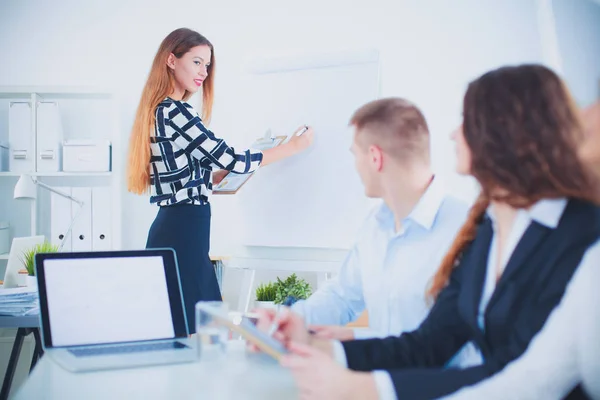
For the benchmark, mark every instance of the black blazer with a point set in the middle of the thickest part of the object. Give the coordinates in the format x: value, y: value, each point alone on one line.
x: 532, y: 284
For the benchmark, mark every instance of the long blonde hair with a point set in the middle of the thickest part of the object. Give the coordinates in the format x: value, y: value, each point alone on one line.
x: 159, y: 85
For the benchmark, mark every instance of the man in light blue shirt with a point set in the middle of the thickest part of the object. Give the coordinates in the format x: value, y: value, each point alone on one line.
x: 403, y: 240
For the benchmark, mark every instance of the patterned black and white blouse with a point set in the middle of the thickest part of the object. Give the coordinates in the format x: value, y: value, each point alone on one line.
x: 184, y: 153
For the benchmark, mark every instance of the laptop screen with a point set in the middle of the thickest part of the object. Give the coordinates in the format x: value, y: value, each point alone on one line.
x: 98, y: 298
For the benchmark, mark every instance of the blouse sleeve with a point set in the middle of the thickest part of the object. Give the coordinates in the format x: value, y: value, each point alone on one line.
x: 195, y: 139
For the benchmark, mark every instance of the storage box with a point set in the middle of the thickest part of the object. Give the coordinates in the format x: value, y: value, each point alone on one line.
x: 3, y: 156
x: 4, y: 237
x: 86, y: 156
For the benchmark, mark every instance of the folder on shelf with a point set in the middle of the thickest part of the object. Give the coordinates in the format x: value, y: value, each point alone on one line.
x: 60, y: 218
x: 82, y: 226
x: 20, y: 137
x: 49, y: 137
x: 101, y: 219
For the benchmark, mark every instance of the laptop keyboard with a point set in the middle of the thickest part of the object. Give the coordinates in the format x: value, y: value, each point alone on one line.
x: 126, y: 349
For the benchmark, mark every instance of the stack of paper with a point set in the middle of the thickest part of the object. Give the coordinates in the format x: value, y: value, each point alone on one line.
x: 19, y: 301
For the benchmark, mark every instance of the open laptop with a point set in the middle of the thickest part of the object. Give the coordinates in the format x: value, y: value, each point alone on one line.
x: 114, y: 309
x: 15, y: 258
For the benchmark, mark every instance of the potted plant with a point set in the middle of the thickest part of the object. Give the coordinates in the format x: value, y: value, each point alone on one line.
x: 291, y: 290
x: 265, y: 295
x: 28, y: 260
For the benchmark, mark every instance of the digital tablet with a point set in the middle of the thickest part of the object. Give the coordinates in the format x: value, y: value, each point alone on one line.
x: 231, y: 183
x: 249, y: 331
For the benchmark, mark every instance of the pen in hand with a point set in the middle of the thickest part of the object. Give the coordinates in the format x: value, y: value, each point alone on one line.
x: 273, y: 328
x: 304, y: 129
x: 276, y: 321
x: 274, y: 325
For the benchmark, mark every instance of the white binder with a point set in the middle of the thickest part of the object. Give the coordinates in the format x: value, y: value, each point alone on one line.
x: 101, y: 219
x: 49, y: 137
x: 20, y: 137
x: 82, y: 227
x: 60, y: 218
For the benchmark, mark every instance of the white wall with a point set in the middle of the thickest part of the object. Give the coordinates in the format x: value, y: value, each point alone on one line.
x: 430, y: 50
x: 578, y: 32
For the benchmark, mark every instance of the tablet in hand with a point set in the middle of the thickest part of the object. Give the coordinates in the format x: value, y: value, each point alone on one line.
x: 249, y: 331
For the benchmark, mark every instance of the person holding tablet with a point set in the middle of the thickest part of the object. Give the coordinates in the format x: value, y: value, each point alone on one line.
x: 535, y: 224
x: 172, y: 153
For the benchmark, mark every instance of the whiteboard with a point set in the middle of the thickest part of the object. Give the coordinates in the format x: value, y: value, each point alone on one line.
x: 314, y: 199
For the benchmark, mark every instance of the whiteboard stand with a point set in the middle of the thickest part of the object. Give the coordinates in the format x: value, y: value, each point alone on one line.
x: 288, y: 221
x: 288, y: 92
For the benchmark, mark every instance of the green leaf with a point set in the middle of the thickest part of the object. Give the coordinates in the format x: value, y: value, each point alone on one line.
x: 28, y: 256
x: 292, y: 286
x: 266, y: 292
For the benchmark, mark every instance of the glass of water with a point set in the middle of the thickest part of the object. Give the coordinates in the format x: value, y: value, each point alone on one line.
x: 211, y: 333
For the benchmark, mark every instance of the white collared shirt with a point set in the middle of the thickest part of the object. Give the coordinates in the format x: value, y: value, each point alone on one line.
x: 545, y: 212
x: 387, y: 272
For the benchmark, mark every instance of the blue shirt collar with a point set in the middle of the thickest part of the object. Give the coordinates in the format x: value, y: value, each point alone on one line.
x: 425, y: 210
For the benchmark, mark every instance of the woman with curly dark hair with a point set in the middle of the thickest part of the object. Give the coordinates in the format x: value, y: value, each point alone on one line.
x: 566, y: 351
x: 534, y: 225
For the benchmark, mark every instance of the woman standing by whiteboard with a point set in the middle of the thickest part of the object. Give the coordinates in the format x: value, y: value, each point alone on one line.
x: 173, y: 154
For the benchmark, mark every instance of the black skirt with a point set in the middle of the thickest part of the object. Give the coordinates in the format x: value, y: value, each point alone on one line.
x: 186, y: 229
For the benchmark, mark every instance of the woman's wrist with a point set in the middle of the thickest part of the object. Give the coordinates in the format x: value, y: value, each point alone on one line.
x: 361, y: 386
x: 294, y: 147
x: 325, y: 345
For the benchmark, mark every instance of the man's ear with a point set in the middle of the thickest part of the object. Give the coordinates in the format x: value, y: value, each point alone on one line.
x: 376, y: 157
x: 171, y: 61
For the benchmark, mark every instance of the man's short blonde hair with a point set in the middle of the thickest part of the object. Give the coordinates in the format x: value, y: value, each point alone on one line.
x: 395, y: 125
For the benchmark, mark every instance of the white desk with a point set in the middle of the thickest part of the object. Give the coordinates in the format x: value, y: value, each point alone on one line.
x: 235, y: 376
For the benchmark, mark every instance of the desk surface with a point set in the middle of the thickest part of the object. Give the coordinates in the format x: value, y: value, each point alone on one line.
x: 236, y: 375
x: 29, y: 321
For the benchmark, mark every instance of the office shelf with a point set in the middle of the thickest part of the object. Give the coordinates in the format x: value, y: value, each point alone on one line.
x: 62, y: 174
x: 72, y: 92
x: 86, y: 112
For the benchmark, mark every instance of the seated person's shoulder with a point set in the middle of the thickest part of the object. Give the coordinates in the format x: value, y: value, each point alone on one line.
x: 370, y: 221
x: 454, y: 202
x: 454, y: 211
x: 378, y: 211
